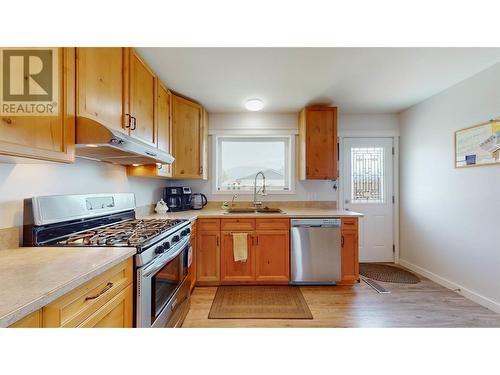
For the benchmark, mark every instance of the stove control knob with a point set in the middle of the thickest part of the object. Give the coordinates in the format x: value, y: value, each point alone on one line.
x: 159, y: 250
x: 188, y: 230
x: 166, y: 246
x: 175, y: 239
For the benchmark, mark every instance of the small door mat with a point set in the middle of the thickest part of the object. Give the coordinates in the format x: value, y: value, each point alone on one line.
x: 259, y: 302
x: 387, y: 273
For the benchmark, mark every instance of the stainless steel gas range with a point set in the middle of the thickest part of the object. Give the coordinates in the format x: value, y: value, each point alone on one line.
x: 163, y: 246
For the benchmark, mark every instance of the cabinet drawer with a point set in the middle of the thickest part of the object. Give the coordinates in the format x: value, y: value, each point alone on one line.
x: 208, y: 224
x: 272, y: 224
x: 349, y: 223
x: 238, y: 224
x: 74, y: 308
x: 117, y: 313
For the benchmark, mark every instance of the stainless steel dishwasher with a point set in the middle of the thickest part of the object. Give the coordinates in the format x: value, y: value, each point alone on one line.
x: 315, y: 253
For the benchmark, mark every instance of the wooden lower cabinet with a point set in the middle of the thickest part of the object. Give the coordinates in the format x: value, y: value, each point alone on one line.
x: 192, y: 270
x: 207, y: 256
x: 272, y: 260
x: 117, y: 313
x: 349, y: 252
x: 33, y: 320
x: 237, y: 271
x: 268, y: 252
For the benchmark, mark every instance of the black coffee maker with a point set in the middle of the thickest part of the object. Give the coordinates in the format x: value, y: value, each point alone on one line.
x: 177, y: 198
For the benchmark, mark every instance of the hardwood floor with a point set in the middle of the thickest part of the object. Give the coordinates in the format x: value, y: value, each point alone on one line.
x: 425, y: 304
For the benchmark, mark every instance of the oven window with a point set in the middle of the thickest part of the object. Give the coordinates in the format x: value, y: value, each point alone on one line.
x: 164, y: 284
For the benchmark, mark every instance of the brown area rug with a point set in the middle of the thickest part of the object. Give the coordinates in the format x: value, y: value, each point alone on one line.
x: 259, y: 302
x: 387, y: 273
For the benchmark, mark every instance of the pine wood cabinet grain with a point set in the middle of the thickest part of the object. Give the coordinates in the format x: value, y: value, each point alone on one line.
x: 117, y: 313
x: 102, y: 79
x: 91, y: 303
x: 163, y: 103
x: 188, y: 138
x: 192, y: 270
x: 268, y: 251
x: 33, y: 320
x: 45, y: 137
x: 318, y: 143
x: 272, y: 255
x: 207, y: 255
x: 142, y: 95
x: 349, y: 251
x: 241, y: 270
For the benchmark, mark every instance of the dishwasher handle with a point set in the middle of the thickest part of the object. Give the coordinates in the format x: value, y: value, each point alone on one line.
x: 316, y: 223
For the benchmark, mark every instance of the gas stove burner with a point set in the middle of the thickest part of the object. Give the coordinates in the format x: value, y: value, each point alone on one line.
x: 126, y: 233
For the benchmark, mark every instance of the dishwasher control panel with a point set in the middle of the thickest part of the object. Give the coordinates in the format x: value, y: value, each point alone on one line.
x: 316, y: 222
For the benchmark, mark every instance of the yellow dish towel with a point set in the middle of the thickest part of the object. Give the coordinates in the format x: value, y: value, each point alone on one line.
x: 240, y: 250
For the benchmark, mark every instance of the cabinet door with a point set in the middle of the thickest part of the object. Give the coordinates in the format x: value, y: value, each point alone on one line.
x: 163, y: 106
x: 320, y: 143
x: 193, y: 263
x: 237, y: 271
x: 46, y: 137
x: 208, y: 257
x: 141, y: 99
x: 101, y: 86
x: 272, y: 256
x: 204, y: 145
x: 349, y: 256
x: 186, y: 133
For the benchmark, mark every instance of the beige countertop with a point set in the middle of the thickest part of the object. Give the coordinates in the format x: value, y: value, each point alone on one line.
x: 289, y: 213
x: 32, y: 277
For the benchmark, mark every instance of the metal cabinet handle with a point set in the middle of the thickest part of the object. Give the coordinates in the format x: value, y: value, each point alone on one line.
x: 127, y: 121
x: 7, y: 120
x: 106, y: 288
x: 134, y: 123
x: 342, y: 241
x: 217, y: 240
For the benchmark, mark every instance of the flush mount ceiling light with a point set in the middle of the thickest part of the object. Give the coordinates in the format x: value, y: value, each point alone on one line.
x: 254, y: 104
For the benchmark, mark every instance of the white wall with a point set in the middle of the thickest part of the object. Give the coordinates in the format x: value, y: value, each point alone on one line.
x: 286, y: 123
x: 19, y: 181
x: 383, y: 124
x: 450, y: 218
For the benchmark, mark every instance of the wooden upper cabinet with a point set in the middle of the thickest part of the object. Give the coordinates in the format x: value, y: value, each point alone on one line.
x: 187, y: 133
x: 141, y: 98
x: 46, y: 137
x: 318, y: 143
x: 102, y: 86
x: 204, y: 145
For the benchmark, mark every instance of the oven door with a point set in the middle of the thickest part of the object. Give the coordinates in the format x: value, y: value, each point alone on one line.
x: 160, y: 289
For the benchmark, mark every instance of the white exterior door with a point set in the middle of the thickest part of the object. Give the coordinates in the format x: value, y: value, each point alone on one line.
x: 368, y: 189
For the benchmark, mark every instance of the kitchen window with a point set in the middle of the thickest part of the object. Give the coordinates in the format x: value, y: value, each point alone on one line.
x: 239, y: 158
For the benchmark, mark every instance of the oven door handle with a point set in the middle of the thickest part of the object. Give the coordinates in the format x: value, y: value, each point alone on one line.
x: 162, y: 261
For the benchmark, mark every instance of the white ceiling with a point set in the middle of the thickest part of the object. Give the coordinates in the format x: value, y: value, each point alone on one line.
x: 358, y: 80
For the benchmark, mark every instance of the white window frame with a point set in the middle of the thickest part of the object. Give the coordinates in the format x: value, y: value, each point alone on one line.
x: 289, y: 163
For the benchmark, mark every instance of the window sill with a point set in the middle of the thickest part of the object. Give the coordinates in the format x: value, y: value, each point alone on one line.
x: 246, y: 192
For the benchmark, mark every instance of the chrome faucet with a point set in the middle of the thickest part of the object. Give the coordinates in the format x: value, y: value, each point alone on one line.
x: 261, y: 189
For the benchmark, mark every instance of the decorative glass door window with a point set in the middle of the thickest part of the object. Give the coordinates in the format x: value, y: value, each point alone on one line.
x: 367, y: 175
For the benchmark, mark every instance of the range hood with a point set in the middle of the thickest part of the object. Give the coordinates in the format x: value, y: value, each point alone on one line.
x: 97, y: 142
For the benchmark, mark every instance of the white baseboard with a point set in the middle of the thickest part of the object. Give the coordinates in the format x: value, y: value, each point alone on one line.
x: 467, y: 293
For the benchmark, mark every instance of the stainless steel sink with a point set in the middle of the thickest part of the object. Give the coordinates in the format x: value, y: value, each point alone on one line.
x: 250, y: 210
x: 268, y: 210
